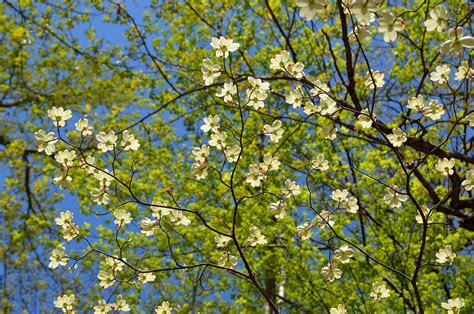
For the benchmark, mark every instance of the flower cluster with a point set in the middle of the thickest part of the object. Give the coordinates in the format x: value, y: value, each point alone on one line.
x: 468, y: 183
x: 453, y: 305
x: 223, y: 46
x: 256, y: 237
x: 164, y: 308
x: 365, y: 119
x: 345, y: 201
x: 331, y: 272
x: 65, y: 303
x: 282, y: 61
x: 258, y: 172
x: 108, y: 274
x: 432, y: 110
x: 457, y: 41
x: 210, y: 71
x: 379, y: 291
x: 309, y: 8
x: 257, y: 93
x: 274, y: 131
x: 394, y: 198
x: 445, y: 255
x: 390, y: 25
x: 120, y: 304
x: 397, y: 138
x: 445, y: 166
x: 376, y: 80
x: 362, y: 10
x: 327, y: 105
x: 441, y: 74
x: 320, y: 163
x: 69, y: 229
x: 100, y: 194
x: 58, y: 257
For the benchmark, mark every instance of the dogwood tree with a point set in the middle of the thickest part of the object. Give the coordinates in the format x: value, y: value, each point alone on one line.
x: 255, y: 156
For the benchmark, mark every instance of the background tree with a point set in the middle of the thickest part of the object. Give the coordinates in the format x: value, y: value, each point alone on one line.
x: 289, y: 156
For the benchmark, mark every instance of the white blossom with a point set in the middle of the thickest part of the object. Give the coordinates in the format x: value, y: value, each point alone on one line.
x: 120, y: 304
x: 227, y: 260
x: 441, y: 74
x: 433, y: 110
x: 363, y: 10
x: 309, y: 8
x: 256, y: 174
x: 275, y: 131
x: 106, y: 141
x: 227, y: 91
x: 445, y: 255
x: 426, y: 212
x: 445, y: 166
x: 393, y: 198
x: 62, y: 179
x: 146, y: 276
x: 331, y: 272
x: 199, y: 170
x: 340, y: 309
x: 343, y: 254
x: 129, y: 141
x: 437, y: 20
x: 295, y: 69
x: 320, y: 163
x: 329, y: 131
x: 210, y: 71
x: 272, y: 162
x: 58, y: 257
x: 464, y: 72
x: 82, y: 125
x: 453, y: 305
x: 457, y: 41
x: 277, y: 209
x: 397, y: 138
x: 339, y: 195
x: 201, y: 153
x: 218, y: 140
x: 148, y: 226
x: 232, y: 153
x: 164, y: 308
x: 416, y: 103
x: 291, y: 188
x: 256, y: 237
x: 279, y: 61
x: 364, y: 119
x: 375, y: 80
x: 65, y: 157
x: 178, y: 218
x: 379, y: 291
x: 65, y: 302
x: 46, y: 142
x: 324, y: 220
x: 468, y: 183
x: 258, y: 93
x: 122, y: 217
x: 295, y: 97
x: 304, y: 231
x: 59, y: 116
x: 102, y: 307
x: 389, y: 25
x: 222, y: 240
x: 64, y: 218
x: 223, y: 46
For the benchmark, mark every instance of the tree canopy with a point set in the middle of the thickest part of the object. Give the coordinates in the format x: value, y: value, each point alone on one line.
x: 307, y: 156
